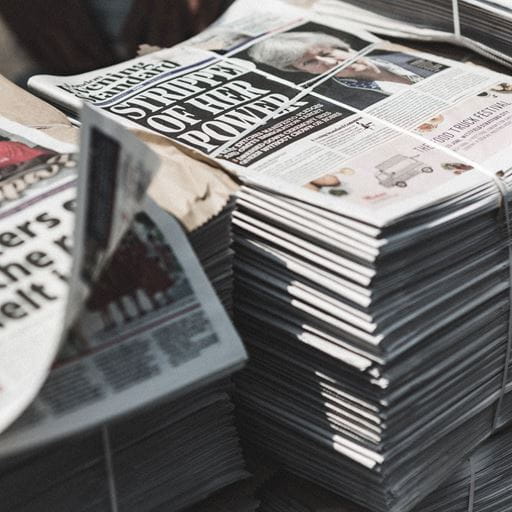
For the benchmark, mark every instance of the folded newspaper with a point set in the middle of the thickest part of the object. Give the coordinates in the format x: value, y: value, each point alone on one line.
x: 372, y: 236
x: 484, y: 26
x: 117, y: 319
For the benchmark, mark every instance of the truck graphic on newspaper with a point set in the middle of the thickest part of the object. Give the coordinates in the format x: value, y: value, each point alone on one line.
x: 397, y: 170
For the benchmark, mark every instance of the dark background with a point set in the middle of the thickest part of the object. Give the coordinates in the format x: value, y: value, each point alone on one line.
x: 74, y: 36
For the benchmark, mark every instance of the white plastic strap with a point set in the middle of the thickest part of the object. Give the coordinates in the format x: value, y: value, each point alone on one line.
x: 472, y: 485
x: 110, y: 470
x: 506, y: 193
x: 456, y: 18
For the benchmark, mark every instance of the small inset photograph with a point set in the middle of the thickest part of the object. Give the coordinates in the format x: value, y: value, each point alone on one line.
x: 374, y: 77
x: 457, y: 167
x: 15, y: 156
x: 332, y: 184
x: 25, y: 168
x: 430, y: 125
x: 303, y: 53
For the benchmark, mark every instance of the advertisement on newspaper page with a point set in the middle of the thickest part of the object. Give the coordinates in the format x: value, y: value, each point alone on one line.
x: 115, y: 170
x: 477, y: 128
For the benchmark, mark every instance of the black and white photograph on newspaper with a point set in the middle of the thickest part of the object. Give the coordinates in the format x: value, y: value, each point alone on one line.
x: 304, y: 52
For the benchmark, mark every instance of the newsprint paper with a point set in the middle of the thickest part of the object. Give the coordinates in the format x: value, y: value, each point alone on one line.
x: 290, y: 102
x: 37, y: 193
x: 130, y: 281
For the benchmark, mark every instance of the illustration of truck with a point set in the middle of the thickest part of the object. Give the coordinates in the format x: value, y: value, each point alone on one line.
x: 397, y: 170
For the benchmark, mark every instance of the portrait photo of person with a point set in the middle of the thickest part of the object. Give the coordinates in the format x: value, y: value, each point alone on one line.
x: 363, y: 81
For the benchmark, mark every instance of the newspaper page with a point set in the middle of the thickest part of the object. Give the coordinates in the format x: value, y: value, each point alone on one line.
x: 329, y: 116
x: 468, y: 26
x: 152, y: 328
x: 45, y: 274
x: 37, y: 191
x: 115, y: 170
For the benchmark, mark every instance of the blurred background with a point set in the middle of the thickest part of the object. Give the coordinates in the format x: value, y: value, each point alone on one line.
x: 74, y: 36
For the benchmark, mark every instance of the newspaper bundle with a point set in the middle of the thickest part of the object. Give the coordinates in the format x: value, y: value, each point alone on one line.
x: 371, y: 236
x: 481, y: 482
x: 99, y: 274
x: 484, y: 26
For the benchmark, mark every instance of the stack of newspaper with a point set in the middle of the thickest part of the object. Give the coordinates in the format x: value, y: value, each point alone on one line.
x: 212, y: 244
x: 373, y: 375
x: 484, y: 26
x: 480, y: 483
x: 135, y: 412
x: 165, y: 458
x: 372, y: 236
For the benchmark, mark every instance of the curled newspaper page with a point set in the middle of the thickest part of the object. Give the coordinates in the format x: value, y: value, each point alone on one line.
x: 152, y: 326
x: 37, y: 190
x: 46, y: 276
x: 115, y: 170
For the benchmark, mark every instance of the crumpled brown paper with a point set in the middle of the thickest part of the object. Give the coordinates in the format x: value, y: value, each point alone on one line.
x: 193, y: 191
x: 22, y: 107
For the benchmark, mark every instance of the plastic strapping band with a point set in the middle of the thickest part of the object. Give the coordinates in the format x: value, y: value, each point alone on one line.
x: 472, y: 485
x: 110, y: 469
x: 505, y: 208
x: 456, y: 18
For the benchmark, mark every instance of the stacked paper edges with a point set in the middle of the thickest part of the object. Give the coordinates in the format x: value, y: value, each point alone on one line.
x: 379, y: 356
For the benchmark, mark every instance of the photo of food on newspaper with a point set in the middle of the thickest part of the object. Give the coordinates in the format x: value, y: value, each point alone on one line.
x: 331, y: 183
